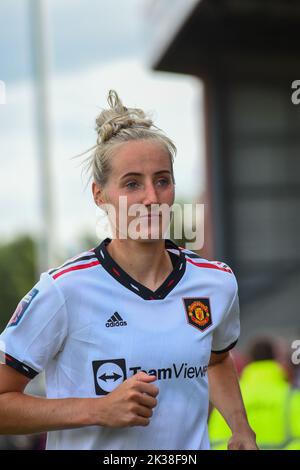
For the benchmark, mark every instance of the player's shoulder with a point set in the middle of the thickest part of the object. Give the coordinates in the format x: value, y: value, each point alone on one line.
x: 196, y: 260
x: 217, y: 273
x: 74, y: 267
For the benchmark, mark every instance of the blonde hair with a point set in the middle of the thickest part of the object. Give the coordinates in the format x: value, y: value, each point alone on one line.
x: 118, y: 125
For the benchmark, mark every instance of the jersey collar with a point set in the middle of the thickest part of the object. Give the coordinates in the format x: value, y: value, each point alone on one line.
x: 179, y: 265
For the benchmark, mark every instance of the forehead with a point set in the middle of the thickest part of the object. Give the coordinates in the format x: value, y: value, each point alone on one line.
x: 140, y: 156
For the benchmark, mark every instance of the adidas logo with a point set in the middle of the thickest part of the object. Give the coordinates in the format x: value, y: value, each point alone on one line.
x: 115, y: 320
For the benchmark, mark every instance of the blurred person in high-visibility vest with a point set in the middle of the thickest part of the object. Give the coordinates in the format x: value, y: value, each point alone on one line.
x: 272, y: 404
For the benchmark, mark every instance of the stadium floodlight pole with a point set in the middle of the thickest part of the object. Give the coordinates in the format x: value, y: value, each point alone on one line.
x: 40, y: 56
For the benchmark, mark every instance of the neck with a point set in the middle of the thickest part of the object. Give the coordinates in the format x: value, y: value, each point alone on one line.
x: 147, y: 262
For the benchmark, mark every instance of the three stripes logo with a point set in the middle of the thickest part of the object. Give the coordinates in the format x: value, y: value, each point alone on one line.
x: 115, y: 320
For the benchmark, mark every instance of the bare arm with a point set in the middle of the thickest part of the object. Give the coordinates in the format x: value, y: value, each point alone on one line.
x: 25, y: 414
x: 226, y: 396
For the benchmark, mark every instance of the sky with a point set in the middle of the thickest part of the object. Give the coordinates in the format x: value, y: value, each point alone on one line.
x: 92, y: 47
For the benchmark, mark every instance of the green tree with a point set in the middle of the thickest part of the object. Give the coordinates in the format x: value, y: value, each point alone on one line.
x: 17, y: 274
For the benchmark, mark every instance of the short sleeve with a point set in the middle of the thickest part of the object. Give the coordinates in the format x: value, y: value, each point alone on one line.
x: 37, y: 330
x: 226, y: 335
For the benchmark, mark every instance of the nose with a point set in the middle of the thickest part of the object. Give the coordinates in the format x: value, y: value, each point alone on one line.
x: 150, y: 196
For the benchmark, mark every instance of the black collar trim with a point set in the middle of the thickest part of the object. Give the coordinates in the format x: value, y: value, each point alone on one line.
x: 179, y: 266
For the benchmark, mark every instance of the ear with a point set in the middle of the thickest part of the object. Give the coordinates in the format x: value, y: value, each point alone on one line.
x: 98, y: 194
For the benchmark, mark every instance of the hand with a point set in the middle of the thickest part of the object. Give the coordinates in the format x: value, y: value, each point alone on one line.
x: 131, y: 403
x: 244, y: 440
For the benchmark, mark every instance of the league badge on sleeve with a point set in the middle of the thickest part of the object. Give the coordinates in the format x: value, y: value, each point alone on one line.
x: 198, y: 312
x: 22, y: 307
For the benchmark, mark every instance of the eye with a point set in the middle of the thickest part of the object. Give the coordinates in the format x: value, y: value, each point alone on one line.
x: 131, y: 185
x: 163, y: 181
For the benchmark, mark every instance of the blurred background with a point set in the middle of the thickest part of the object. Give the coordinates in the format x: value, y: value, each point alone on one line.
x: 217, y: 78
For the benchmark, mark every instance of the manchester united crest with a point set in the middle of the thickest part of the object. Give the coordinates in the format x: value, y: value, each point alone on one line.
x: 198, y: 312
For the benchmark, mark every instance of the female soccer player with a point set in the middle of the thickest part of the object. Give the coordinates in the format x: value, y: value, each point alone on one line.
x: 129, y: 333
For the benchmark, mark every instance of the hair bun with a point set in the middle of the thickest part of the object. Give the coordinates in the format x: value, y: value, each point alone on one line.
x: 125, y: 124
x: 110, y: 121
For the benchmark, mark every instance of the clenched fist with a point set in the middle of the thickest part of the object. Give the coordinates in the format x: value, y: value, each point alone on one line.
x: 130, y: 404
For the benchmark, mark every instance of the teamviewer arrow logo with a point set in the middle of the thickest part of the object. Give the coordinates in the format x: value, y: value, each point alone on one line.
x: 113, y: 377
x: 108, y: 375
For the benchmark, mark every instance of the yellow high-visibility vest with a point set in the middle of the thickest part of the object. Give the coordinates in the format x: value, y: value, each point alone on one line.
x: 273, y: 409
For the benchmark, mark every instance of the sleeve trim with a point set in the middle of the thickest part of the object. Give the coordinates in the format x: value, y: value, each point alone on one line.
x: 17, y: 365
x: 226, y: 349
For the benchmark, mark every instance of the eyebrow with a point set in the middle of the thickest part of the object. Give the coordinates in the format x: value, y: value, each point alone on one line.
x: 132, y: 173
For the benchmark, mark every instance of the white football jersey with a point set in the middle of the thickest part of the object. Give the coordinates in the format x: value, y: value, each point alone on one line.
x: 91, y: 326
